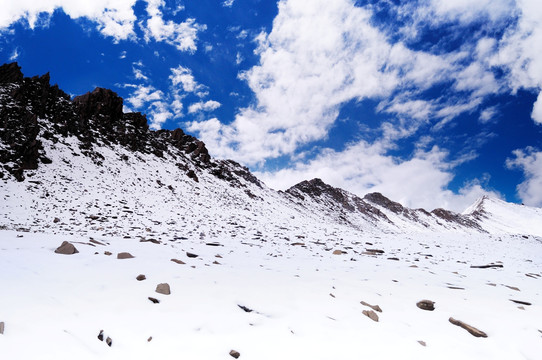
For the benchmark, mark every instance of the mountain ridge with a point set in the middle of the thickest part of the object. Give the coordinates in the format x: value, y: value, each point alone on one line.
x: 43, y: 130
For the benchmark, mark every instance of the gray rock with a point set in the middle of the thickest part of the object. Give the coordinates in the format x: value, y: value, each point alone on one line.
x: 471, y: 329
x: 124, y: 255
x: 422, y: 343
x: 66, y: 249
x: 371, y: 315
x: 235, y: 354
x: 163, y: 289
x: 180, y: 262
x: 2, y: 327
x: 109, y: 341
x: 426, y: 305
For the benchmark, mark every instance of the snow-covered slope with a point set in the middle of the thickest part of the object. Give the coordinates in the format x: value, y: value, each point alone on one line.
x: 500, y: 217
x: 268, y: 274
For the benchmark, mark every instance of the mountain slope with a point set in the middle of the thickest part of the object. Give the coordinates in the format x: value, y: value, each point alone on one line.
x: 268, y: 274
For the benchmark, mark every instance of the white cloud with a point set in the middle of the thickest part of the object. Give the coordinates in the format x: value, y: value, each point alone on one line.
x: 536, y: 115
x: 209, y: 105
x: 14, y: 55
x: 488, y: 114
x: 529, y: 160
x: 183, y: 76
x: 115, y: 18
x: 228, y: 3
x: 143, y: 95
x: 181, y: 35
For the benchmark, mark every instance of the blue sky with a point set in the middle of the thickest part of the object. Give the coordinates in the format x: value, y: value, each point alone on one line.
x: 433, y: 103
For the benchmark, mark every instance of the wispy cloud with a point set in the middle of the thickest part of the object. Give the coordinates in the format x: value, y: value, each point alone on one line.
x: 529, y: 161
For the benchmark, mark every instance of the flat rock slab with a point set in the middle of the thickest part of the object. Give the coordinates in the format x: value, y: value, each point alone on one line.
x: 426, y: 305
x: 191, y: 255
x: 370, y: 314
x: 471, y: 329
x: 66, y: 249
x: 374, y: 307
x: 163, y: 288
x: 124, y: 255
x: 180, y: 262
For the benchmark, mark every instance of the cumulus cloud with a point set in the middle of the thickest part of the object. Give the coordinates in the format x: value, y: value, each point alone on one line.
x: 528, y: 160
x: 181, y: 35
x: 209, y: 105
x: 115, y: 18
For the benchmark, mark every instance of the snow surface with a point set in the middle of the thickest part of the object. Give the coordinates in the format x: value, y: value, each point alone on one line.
x: 275, y: 255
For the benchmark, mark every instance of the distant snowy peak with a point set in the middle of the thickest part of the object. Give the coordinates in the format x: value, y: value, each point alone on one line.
x: 498, y: 216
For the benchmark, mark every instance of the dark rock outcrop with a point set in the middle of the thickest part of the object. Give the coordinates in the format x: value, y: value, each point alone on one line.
x: 66, y: 248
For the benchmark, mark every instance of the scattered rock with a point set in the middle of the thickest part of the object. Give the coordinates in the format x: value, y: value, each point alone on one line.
x: 235, y: 354
x: 393, y: 258
x: 191, y: 255
x: 245, y: 309
x: 521, y: 302
x: 370, y: 314
x: 163, y: 288
x: 66, y: 249
x: 338, y: 252
x: 178, y: 261
x: 374, y: 251
x: 154, y: 300
x: 422, y: 343
x: 108, y: 253
x: 297, y: 244
x: 141, y: 277
x: 213, y: 244
x: 512, y: 287
x: 96, y: 242
x: 109, y: 341
x: 374, y: 307
x: 101, y: 335
x: 149, y: 339
x: 487, y: 266
x: 426, y: 305
x: 472, y: 330
x: 124, y: 255
x: 56, y: 220
x: 154, y: 241
x: 2, y: 327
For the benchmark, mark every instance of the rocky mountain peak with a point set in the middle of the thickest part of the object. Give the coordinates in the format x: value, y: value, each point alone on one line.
x: 104, y: 104
x: 10, y: 73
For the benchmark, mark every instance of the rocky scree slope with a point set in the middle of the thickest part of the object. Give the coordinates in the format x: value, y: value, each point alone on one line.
x: 83, y: 163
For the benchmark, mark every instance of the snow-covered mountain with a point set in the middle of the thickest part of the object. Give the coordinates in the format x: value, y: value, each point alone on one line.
x: 269, y: 273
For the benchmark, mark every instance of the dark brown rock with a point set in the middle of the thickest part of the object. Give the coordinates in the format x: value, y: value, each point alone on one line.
x: 124, y: 255
x: 235, y: 354
x: 471, y: 329
x: 108, y: 253
x: 370, y: 314
x: 180, y: 262
x: 141, y: 277
x: 191, y: 255
x: 154, y: 300
x: 109, y: 341
x: 426, y: 305
x: 101, y: 335
x: 66, y: 249
x: 163, y: 288
x: 56, y: 220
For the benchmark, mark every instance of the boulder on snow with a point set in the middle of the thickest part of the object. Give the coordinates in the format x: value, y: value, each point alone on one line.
x: 191, y: 255
x: 471, y: 329
x: 2, y: 327
x: 124, y: 255
x: 235, y: 354
x: 163, y: 288
x: 66, y: 249
x: 140, y: 277
x: 426, y: 305
x: 370, y: 314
